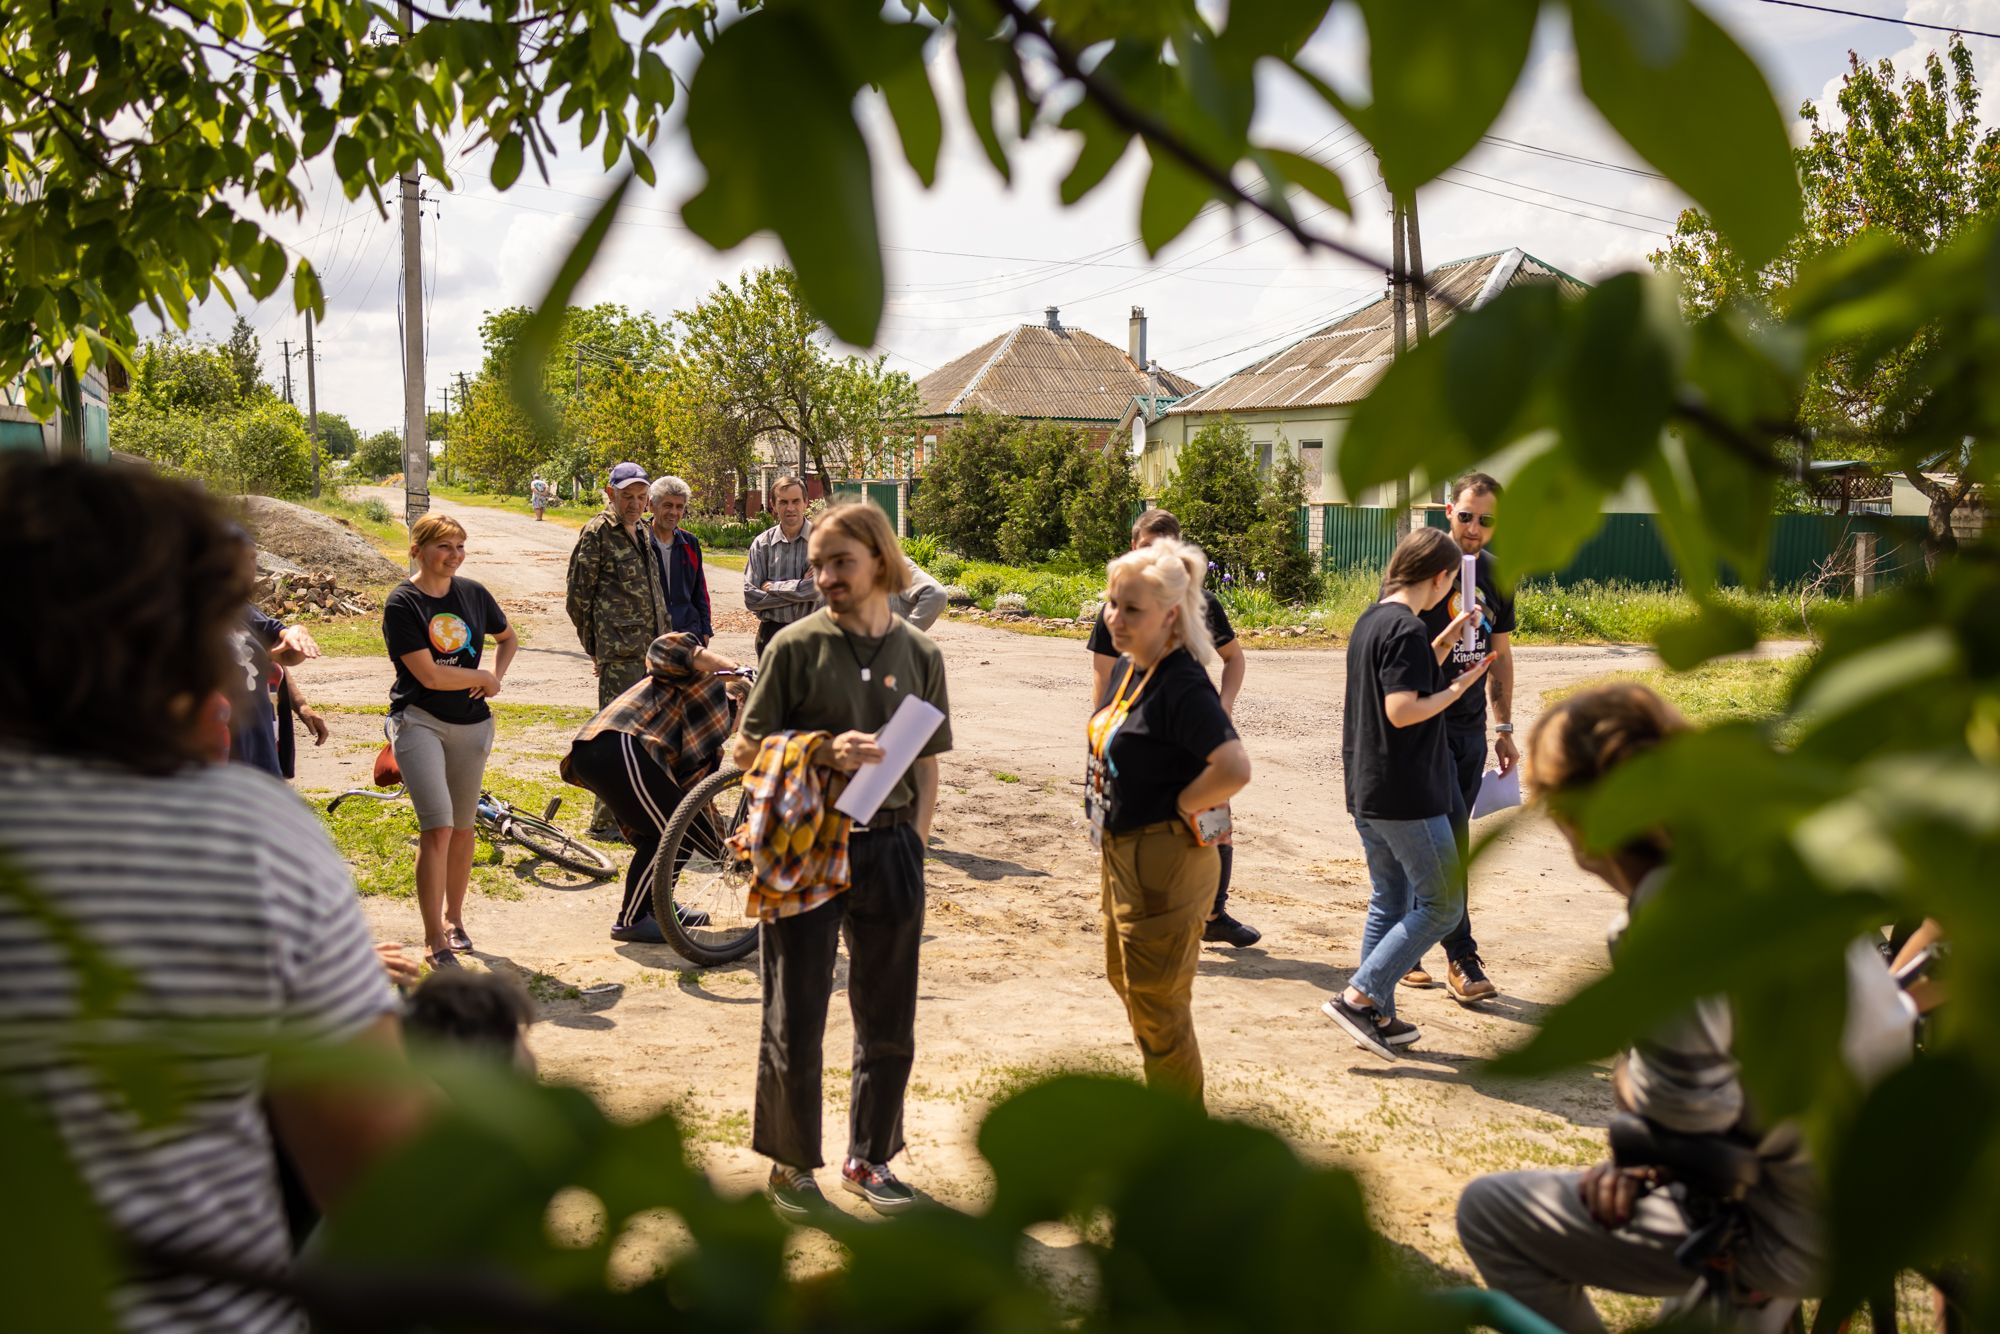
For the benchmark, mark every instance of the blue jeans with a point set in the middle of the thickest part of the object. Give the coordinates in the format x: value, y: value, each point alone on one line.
x: 1418, y: 897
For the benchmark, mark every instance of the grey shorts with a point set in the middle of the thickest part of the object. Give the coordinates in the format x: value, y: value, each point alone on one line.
x: 443, y: 766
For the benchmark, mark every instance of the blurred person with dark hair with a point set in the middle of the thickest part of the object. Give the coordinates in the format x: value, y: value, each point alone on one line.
x: 1399, y: 785
x: 482, y: 1014
x: 211, y: 885
x: 1544, y: 1236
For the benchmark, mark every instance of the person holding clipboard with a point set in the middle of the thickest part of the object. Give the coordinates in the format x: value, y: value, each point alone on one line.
x: 845, y: 670
x: 1164, y: 760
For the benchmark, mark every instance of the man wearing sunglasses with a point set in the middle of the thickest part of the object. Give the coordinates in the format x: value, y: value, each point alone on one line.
x: 1473, y: 500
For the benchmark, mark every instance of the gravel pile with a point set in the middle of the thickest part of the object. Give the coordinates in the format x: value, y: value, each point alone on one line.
x: 320, y: 544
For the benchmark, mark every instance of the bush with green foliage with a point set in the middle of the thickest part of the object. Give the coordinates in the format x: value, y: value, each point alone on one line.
x: 1214, y: 492
x: 379, y: 456
x: 261, y: 449
x: 1050, y: 466
x: 729, y: 534
x: 963, y: 497
x: 923, y: 548
x: 1102, y: 508
x: 1274, y: 549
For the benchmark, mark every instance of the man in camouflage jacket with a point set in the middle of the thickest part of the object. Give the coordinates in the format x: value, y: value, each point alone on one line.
x: 615, y: 600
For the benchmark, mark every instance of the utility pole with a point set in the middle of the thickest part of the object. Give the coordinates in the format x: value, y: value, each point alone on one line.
x: 416, y: 446
x: 312, y: 402
x: 286, y: 344
x: 1399, y: 276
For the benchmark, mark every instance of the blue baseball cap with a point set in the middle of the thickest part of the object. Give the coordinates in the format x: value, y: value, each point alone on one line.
x: 625, y: 474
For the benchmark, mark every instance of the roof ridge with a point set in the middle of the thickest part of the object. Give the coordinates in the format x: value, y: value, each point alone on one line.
x: 972, y: 381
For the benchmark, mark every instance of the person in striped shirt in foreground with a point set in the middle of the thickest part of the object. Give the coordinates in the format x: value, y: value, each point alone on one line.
x: 210, y: 885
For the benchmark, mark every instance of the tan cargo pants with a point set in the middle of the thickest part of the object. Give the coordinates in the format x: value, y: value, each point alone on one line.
x: 1158, y: 886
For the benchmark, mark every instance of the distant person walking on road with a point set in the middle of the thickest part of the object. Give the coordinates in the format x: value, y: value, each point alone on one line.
x: 615, y: 600
x: 538, y: 497
x: 845, y: 671
x: 1472, y: 504
x: 1151, y: 526
x: 1164, y: 762
x: 683, y: 581
x: 436, y: 626
x: 777, y: 574
x: 1400, y: 788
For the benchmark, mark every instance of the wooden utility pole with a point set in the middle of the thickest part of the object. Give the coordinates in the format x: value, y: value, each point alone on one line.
x: 286, y: 345
x: 1417, y: 275
x: 312, y: 402
x: 1399, y: 276
x: 416, y: 444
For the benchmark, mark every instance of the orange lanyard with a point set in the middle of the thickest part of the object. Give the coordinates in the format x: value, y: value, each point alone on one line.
x: 1107, y: 720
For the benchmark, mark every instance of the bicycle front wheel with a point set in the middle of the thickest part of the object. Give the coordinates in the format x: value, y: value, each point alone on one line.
x: 551, y: 843
x: 699, y: 884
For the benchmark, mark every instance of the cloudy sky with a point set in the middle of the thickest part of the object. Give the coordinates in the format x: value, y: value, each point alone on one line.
x: 974, y: 255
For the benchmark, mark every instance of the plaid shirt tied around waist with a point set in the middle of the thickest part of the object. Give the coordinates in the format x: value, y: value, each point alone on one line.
x: 678, y: 712
x: 793, y: 839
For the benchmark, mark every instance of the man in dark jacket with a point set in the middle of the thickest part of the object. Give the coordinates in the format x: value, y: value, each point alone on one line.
x: 683, y: 581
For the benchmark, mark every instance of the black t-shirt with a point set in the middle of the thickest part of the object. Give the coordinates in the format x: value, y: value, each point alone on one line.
x: 1393, y: 773
x: 1496, y: 617
x: 1220, y: 631
x: 454, y: 628
x: 1165, y: 741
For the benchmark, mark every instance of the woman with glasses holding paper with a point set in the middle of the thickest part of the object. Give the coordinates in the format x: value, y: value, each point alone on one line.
x: 1400, y: 789
x: 1164, y: 761
x: 846, y: 671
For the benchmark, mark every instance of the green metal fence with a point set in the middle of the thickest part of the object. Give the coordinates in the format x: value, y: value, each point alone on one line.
x: 885, y: 495
x: 1629, y: 548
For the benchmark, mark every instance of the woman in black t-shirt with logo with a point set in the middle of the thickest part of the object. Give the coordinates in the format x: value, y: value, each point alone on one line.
x: 436, y: 626
x: 1164, y: 760
x: 1400, y: 787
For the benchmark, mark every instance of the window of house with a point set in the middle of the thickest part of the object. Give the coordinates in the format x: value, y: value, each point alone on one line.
x: 1311, y: 458
x: 1262, y: 449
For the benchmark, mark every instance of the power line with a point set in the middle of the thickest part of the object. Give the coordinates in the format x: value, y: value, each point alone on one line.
x: 1572, y: 199
x: 1884, y: 18
x: 1536, y: 203
x: 1561, y: 155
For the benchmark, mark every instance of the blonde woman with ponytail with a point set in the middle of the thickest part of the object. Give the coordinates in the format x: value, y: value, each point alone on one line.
x: 1164, y: 761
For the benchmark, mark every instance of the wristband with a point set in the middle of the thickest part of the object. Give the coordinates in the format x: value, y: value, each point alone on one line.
x: 1503, y: 729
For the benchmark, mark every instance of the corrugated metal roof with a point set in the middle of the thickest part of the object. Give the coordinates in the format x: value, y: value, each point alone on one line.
x: 1340, y: 363
x: 1035, y: 371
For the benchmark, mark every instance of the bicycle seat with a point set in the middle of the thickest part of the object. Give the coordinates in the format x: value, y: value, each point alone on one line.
x: 1709, y: 1165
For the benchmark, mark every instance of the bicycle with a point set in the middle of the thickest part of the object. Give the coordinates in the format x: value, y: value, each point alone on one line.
x: 699, y: 883
x: 503, y: 821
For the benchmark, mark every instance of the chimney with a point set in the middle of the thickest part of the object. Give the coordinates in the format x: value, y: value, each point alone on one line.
x: 1052, y: 314
x: 1135, y: 341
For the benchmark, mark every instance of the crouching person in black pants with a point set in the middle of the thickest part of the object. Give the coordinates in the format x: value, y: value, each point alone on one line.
x: 844, y: 670
x: 643, y: 751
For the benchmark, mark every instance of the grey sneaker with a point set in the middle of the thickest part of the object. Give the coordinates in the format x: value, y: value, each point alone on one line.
x: 875, y: 1183
x: 1363, y: 1023
x: 793, y: 1192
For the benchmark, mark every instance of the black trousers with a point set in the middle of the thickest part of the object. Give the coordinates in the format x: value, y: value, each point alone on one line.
x: 765, y: 629
x: 640, y: 796
x: 1228, y: 858
x: 882, y: 919
x: 1467, y: 752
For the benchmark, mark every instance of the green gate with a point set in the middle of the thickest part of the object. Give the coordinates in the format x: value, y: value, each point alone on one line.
x: 885, y: 496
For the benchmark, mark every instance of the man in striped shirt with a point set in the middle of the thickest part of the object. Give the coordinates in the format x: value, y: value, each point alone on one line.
x: 777, y: 577
x: 209, y: 886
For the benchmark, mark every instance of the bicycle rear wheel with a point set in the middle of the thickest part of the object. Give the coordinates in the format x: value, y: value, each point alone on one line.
x: 696, y: 873
x: 547, y: 841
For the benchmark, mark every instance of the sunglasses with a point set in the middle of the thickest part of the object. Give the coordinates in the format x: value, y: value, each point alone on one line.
x: 1466, y: 516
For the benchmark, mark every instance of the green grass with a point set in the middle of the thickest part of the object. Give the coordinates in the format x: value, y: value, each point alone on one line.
x: 1584, y: 613
x: 1007, y: 778
x: 361, y: 637
x: 374, y: 520
x: 379, y: 839
x: 1750, y: 689
x: 728, y: 560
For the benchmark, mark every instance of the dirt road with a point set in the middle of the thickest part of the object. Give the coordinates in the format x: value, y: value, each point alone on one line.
x: 1013, y: 964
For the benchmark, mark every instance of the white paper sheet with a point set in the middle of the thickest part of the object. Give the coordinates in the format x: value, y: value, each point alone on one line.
x: 1468, y: 599
x: 901, y: 738
x: 1497, y: 792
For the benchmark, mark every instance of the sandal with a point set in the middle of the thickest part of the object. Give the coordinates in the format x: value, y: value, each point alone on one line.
x: 458, y: 940
x: 441, y: 959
